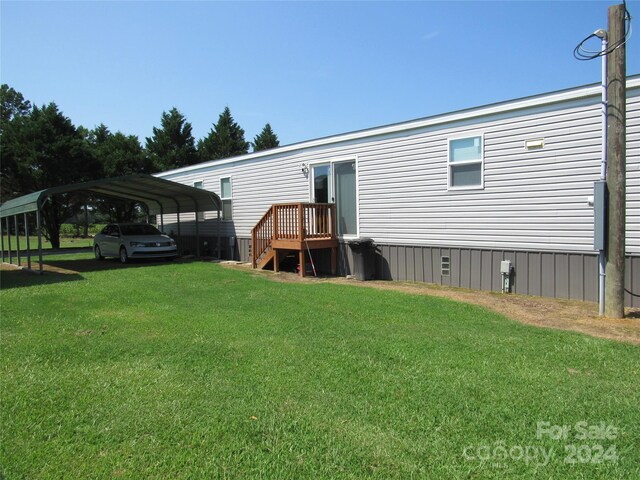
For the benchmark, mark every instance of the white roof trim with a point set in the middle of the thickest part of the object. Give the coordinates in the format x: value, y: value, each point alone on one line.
x: 496, y: 108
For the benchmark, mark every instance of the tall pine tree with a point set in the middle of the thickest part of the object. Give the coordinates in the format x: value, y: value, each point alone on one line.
x: 14, y: 113
x: 266, y: 139
x: 12, y: 105
x: 225, y: 139
x: 117, y: 155
x: 41, y: 150
x: 172, y: 145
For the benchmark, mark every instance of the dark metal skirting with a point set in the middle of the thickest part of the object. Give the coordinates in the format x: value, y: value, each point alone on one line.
x: 548, y: 274
x: 570, y: 275
x: 187, y: 245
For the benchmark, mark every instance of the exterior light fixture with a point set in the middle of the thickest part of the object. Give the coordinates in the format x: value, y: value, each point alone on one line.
x: 534, y: 143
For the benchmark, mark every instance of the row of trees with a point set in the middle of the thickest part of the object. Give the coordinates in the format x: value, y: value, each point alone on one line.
x: 40, y: 148
x: 172, y: 144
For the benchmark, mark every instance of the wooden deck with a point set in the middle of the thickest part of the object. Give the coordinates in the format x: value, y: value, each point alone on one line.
x: 298, y: 227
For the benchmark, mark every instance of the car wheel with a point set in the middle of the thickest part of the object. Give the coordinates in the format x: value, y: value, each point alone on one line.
x: 124, y: 258
x: 98, y: 253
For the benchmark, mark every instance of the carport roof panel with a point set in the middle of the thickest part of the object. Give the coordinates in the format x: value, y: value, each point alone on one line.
x: 25, y: 204
x: 158, y: 194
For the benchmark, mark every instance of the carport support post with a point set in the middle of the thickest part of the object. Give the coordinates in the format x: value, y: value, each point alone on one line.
x: 161, y: 219
x: 179, y: 235
x: 9, y: 240
x: 219, y: 237
x: 2, y: 240
x: 39, y: 229
x: 145, y: 207
x: 26, y: 234
x: 197, y: 236
x: 86, y: 221
x: 15, y: 221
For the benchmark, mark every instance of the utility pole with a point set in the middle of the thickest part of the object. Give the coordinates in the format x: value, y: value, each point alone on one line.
x: 616, y: 162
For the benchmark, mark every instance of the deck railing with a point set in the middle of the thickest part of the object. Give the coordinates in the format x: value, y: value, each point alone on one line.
x: 293, y: 222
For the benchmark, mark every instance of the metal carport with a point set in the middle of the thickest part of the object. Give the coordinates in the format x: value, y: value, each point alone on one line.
x: 159, y: 195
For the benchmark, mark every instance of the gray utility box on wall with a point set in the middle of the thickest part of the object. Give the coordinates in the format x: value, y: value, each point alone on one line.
x: 505, y: 273
x: 505, y: 267
x: 599, y: 215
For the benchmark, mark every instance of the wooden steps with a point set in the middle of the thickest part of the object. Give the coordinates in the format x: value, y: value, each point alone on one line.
x: 293, y: 227
x: 265, y: 259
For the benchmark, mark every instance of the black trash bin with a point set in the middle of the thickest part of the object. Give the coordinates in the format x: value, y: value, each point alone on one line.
x: 364, y: 258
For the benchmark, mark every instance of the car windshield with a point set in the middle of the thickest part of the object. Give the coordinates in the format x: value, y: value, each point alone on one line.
x: 142, y: 229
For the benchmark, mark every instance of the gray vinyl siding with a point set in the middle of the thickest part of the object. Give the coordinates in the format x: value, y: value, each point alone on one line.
x: 633, y: 178
x: 255, y: 187
x: 531, y: 201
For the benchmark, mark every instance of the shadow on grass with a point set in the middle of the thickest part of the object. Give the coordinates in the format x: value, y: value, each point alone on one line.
x: 17, y: 278
x: 48, y: 251
x: 83, y: 265
x: 71, y: 270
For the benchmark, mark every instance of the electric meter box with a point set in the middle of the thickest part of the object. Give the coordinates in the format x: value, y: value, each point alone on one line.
x: 599, y: 215
x: 505, y: 267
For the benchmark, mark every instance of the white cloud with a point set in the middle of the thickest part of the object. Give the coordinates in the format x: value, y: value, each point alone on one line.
x: 430, y: 35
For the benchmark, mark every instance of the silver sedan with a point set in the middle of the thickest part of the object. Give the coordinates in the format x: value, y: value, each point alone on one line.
x: 133, y: 240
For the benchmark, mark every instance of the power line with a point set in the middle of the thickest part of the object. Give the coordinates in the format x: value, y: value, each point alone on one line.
x: 581, y: 53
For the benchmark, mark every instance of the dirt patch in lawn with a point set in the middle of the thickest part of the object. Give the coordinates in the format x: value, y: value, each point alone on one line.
x: 540, y: 311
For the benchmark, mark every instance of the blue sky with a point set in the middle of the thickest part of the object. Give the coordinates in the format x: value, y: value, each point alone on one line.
x: 310, y: 69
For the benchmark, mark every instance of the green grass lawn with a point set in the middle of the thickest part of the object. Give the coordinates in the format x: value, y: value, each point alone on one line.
x: 191, y: 370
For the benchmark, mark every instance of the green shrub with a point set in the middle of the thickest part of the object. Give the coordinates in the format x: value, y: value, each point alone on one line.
x: 71, y: 230
x: 68, y: 230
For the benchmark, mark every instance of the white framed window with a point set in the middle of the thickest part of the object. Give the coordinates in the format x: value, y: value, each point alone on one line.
x: 227, y: 198
x: 200, y: 215
x: 466, y: 163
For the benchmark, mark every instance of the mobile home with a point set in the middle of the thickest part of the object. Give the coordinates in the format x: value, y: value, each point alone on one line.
x: 445, y: 198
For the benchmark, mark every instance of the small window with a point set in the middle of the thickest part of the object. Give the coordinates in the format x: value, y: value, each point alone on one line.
x: 226, y: 197
x: 200, y: 215
x: 465, y: 162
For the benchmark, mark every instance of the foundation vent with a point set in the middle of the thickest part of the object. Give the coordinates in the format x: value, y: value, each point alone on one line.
x: 445, y: 266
